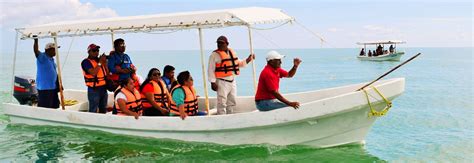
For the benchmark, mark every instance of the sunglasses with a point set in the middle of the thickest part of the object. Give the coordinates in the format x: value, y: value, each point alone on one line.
x: 156, y: 74
x: 221, y: 42
x: 95, y: 50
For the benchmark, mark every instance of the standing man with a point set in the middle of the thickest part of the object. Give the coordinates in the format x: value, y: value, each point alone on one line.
x: 168, y: 76
x: 94, y: 71
x: 46, y: 76
x: 120, y: 64
x: 223, y: 67
x: 268, y: 97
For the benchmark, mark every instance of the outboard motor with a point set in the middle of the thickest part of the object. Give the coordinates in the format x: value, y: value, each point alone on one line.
x: 25, y: 91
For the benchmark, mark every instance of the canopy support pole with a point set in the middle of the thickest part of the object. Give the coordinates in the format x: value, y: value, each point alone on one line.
x: 204, y: 80
x: 253, y: 61
x: 61, y: 94
x: 113, y: 38
x: 14, y: 65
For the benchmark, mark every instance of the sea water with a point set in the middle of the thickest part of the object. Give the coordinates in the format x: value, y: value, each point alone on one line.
x: 431, y: 121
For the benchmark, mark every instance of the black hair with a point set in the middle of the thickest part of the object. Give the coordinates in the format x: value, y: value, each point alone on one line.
x: 168, y: 68
x: 183, y: 76
x: 124, y: 82
x: 148, y: 78
x: 118, y: 41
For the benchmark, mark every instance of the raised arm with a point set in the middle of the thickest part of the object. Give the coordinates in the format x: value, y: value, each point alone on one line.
x: 296, y: 63
x: 35, y: 47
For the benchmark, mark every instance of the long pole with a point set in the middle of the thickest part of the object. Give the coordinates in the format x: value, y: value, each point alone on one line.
x: 14, y: 63
x: 113, y: 37
x: 253, y: 61
x: 59, y: 70
x: 204, y: 80
x: 391, y: 70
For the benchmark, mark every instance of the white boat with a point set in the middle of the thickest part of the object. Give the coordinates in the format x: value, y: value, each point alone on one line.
x: 326, y: 118
x: 386, y: 55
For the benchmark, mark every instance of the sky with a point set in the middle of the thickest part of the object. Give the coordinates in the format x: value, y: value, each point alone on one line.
x: 421, y: 23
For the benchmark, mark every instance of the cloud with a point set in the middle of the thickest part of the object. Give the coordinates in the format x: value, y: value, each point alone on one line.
x: 378, y: 29
x: 19, y: 13
x: 335, y: 30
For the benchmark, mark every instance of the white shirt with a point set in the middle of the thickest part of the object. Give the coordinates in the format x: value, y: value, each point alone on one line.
x: 120, y: 96
x: 216, y: 58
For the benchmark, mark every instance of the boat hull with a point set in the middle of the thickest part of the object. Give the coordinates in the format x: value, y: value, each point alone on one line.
x: 326, y: 118
x: 386, y: 57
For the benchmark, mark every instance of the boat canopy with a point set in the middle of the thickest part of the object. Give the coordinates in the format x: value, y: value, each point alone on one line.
x: 381, y: 42
x: 160, y: 22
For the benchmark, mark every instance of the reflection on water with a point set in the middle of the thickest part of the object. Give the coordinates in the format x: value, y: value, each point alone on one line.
x: 46, y: 143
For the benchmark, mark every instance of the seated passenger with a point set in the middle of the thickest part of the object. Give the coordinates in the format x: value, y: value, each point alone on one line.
x: 362, y: 52
x: 184, y: 100
x: 127, y: 99
x: 370, y: 53
x: 155, y: 95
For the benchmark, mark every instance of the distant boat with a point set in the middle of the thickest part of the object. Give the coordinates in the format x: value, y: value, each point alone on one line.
x: 381, y: 55
x: 326, y: 118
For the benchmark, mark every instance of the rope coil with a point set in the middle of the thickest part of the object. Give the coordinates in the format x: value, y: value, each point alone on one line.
x: 374, y: 112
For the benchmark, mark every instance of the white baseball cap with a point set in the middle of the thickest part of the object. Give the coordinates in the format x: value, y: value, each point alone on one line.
x: 50, y: 45
x: 274, y: 55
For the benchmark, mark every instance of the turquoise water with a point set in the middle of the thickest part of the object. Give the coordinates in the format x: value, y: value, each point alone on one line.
x: 431, y: 121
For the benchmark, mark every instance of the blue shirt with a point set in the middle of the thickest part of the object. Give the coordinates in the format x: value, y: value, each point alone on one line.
x: 122, y: 60
x: 167, y: 82
x: 46, y: 74
x: 178, y: 96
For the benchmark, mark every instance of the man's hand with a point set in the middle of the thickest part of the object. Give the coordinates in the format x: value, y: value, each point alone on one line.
x: 103, y: 59
x: 250, y: 58
x: 295, y: 104
x: 214, y: 86
x: 296, y: 61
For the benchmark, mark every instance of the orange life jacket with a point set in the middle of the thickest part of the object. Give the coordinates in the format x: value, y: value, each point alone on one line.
x: 94, y: 80
x: 229, y: 64
x: 190, y: 101
x: 133, y: 102
x: 160, y: 93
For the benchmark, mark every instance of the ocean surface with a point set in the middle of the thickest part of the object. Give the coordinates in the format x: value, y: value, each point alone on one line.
x: 432, y: 121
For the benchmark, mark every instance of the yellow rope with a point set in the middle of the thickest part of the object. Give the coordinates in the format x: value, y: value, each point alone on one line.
x: 374, y: 112
x: 70, y: 102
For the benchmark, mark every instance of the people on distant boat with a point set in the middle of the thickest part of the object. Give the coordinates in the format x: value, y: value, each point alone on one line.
x: 155, y: 96
x: 46, y: 75
x: 370, y: 53
x: 95, y: 70
x: 168, y: 76
x: 374, y: 53
x: 379, y: 50
x: 268, y: 96
x: 392, y: 49
x: 184, y: 100
x: 362, y: 52
x: 119, y: 63
x: 224, y: 66
x: 385, y: 52
x: 127, y: 99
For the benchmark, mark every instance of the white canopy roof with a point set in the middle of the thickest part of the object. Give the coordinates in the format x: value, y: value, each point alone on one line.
x: 160, y: 22
x: 381, y: 42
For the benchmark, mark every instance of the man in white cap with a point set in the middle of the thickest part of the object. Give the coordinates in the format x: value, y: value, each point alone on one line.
x: 268, y: 97
x: 46, y: 76
x: 223, y: 67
